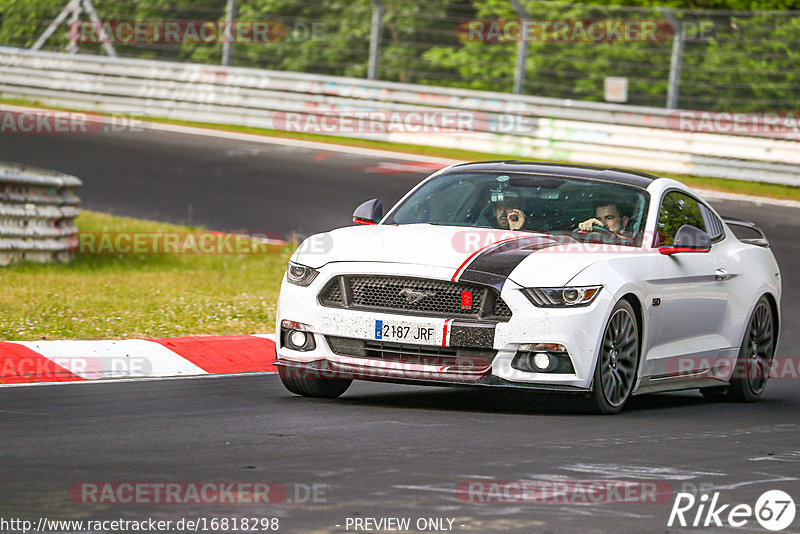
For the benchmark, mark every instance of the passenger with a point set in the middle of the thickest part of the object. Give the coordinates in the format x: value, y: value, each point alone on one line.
x: 508, y: 213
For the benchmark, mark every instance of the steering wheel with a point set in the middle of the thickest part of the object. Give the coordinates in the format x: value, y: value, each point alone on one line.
x: 597, y: 228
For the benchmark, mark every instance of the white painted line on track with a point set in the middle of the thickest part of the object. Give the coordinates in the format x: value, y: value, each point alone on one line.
x: 637, y: 471
x: 265, y: 139
x: 753, y: 482
x: 708, y: 194
x: 299, y: 143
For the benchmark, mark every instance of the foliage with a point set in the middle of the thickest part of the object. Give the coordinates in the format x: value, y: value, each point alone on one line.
x: 741, y: 60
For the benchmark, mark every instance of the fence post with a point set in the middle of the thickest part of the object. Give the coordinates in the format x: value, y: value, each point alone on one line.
x: 676, y: 60
x: 74, y: 9
x: 230, y: 18
x: 71, y: 7
x: 74, y: 43
x: 522, y: 50
x: 95, y: 18
x: 374, y: 40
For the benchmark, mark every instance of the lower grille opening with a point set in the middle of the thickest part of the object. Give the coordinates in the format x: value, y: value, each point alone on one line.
x: 459, y: 359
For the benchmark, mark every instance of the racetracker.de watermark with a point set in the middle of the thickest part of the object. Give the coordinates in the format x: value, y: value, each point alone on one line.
x: 471, y: 241
x: 175, y: 243
x: 562, y: 31
x: 732, y: 122
x: 129, y: 32
x: 48, y: 121
x: 415, y: 122
x: 88, y: 367
x: 419, y: 369
x: 204, y: 493
x: 733, y: 367
x: 564, y: 491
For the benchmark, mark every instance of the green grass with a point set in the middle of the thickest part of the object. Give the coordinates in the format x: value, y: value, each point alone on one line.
x: 118, y: 296
x: 759, y: 189
x: 718, y: 184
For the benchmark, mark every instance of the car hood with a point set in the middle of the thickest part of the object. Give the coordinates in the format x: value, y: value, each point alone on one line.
x: 523, y: 257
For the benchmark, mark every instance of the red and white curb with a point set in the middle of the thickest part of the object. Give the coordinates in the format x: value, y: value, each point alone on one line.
x: 27, y: 362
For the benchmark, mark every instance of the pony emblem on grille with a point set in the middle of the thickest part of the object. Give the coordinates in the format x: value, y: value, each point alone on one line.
x: 414, y: 296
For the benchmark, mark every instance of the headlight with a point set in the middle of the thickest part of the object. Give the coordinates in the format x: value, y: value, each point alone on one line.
x: 300, y: 275
x: 562, y: 297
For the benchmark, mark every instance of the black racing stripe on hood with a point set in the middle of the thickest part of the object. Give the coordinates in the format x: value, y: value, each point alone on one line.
x: 487, y: 279
x: 495, y: 265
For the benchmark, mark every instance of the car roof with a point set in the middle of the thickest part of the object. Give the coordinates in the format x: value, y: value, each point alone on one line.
x: 606, y: 174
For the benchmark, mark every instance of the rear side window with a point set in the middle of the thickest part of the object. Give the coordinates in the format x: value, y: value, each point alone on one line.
x: 713, y: 225
x: 676, y: 210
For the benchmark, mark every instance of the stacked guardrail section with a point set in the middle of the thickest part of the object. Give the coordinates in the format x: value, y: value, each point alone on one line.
x: 561, y: 130
x: 37, y: 214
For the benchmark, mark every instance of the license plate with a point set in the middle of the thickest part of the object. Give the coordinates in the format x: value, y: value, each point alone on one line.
x: 392, y: 331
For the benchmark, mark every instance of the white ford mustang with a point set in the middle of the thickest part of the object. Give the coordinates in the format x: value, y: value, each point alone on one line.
x: 604, y: 282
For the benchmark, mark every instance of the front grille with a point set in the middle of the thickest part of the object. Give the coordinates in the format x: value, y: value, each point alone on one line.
x: 460, y: 359
x: 419, y: 296
x: 501, y: 309
x: 332, y: 294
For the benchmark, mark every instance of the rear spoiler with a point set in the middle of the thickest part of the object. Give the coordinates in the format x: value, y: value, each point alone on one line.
x: 760, y: 241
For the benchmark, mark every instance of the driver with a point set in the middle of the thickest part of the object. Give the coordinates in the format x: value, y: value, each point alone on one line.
x: 607, y: 215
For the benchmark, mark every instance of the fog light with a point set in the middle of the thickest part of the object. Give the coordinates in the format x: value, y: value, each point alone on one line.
x: 298, y: 338
x: 542, y: 358
x: 541, y: 361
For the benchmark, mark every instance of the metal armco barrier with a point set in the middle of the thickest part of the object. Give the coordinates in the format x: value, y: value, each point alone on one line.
x: 563, y: 130
x: 37, y: 212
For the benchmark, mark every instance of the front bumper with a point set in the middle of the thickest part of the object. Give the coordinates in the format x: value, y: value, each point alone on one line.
x: 365, y: 371
x: 577, y: 329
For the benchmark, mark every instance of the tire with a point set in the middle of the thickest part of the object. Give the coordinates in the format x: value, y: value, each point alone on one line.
x: 715, y: 393
x: 310, y: 385
x: 617, y: 361
x: 755, y: 355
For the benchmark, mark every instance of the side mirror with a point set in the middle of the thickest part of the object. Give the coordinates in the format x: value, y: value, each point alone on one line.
x: 688, y: 239
x: 370, y: 212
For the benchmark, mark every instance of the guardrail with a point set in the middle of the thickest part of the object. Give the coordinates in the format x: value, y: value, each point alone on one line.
x: 37, y: 212
x: 563, y: 130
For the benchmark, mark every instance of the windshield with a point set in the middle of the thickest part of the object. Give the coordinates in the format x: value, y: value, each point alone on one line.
x: 528, y: 202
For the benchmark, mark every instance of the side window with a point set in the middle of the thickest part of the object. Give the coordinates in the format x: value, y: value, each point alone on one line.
x: 676, y: 210
x: 713, y: 224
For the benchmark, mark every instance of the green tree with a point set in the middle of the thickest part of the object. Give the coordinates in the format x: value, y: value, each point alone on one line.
x: 745, y: 60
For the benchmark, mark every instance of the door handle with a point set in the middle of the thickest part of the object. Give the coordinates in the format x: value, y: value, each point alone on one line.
x: 721, y: 275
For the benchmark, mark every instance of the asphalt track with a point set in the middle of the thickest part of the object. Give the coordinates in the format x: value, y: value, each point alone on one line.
x: 380, y: 450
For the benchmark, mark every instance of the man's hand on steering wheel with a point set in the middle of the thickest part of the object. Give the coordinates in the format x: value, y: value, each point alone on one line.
x: 587, y: 226
x: 594, y: 225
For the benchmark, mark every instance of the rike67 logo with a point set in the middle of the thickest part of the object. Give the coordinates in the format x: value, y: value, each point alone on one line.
x: 774, y: 510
